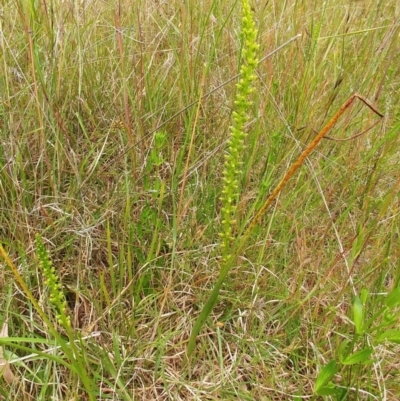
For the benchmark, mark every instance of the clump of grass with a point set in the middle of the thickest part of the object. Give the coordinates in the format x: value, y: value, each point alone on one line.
x: 78, y: 81
x: 76, y: 364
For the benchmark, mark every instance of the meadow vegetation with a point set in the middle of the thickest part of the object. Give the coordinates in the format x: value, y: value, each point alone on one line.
x: 115, y: 131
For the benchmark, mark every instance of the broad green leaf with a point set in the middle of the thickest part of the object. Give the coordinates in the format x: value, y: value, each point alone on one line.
x: 393, y: 298
x: 364, y: 296
x: 358, y: 315
x: 361, y: 356
x: 324, y: 376
x: 343, y: 351
x: 392, y: 335
x: 330, y: 389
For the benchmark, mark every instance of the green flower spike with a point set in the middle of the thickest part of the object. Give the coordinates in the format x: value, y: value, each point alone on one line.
x: 230, y: 191
x: 233, y: 162
x: 52, y: 282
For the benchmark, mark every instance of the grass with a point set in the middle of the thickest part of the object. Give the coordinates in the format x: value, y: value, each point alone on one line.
x: 130, y: 213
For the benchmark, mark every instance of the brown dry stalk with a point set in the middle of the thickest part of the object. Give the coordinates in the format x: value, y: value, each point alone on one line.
x: 354, y: 136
